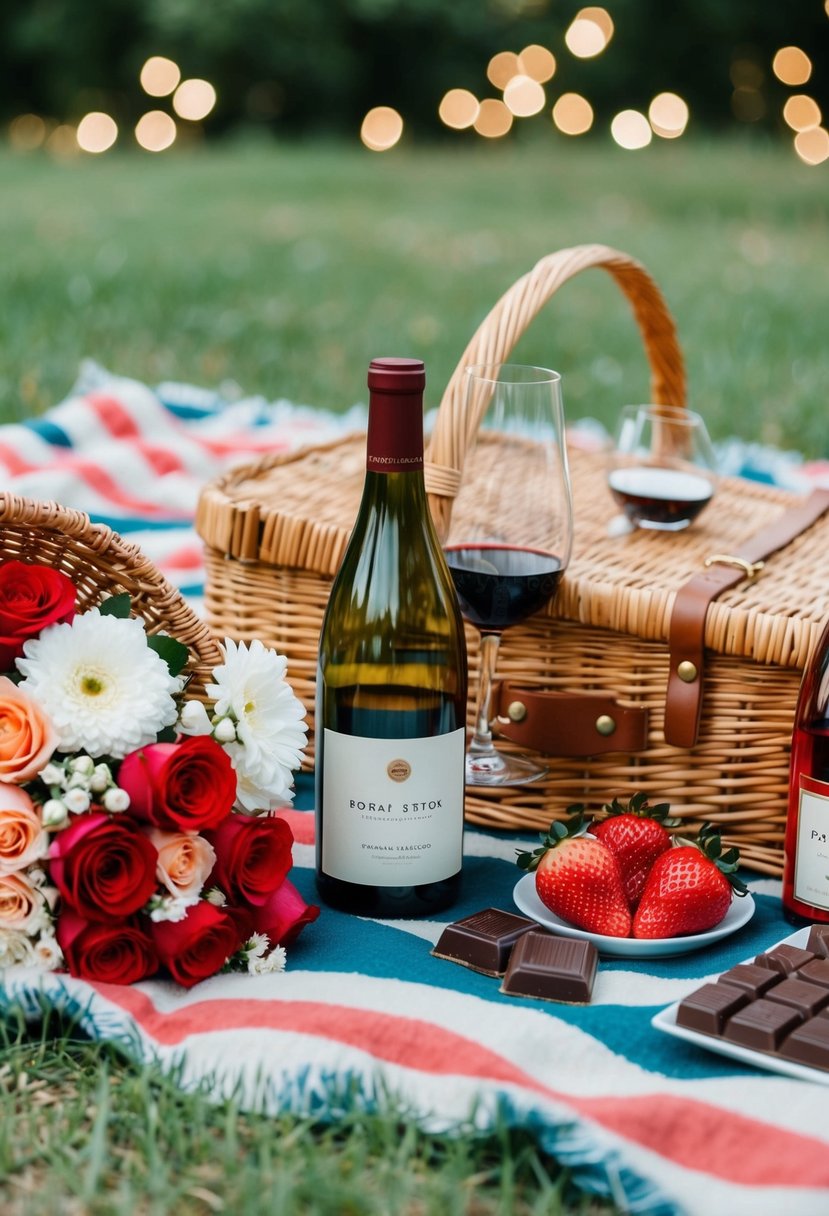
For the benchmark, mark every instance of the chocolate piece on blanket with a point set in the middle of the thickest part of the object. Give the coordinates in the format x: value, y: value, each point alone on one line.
x: 707, y: 1009
x: 484, y: 940
x: 551, y: 968
x: 818, y: 941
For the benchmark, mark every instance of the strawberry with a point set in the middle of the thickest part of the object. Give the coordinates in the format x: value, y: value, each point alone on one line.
x: 578, y: 878
x: 689, y: 888
x: 637, y: 833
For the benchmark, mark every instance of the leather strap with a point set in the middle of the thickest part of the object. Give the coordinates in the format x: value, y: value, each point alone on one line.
x: 686, y: 638
x: 567, y: 724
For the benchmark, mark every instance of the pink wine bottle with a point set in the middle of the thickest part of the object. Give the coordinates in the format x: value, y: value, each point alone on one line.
x: 806, y: 864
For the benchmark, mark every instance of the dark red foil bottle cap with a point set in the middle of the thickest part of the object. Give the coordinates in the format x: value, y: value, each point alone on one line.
x: 395, y: 416
x: 397, y: 375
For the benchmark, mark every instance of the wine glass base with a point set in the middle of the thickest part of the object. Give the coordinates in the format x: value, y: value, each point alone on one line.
x: 493, y: 768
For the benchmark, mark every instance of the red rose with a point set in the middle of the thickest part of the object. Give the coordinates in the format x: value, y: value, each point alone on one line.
x: 198, y: 946
x: 31, y: 597
x: 184, y: 787
x: 104, y: 868
x: 285, y: 915
x: 253, y: 855
x: 112, y: 953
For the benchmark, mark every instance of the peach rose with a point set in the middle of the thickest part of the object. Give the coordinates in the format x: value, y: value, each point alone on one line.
x: 184, y: 861
x: 22, y: 905
x: 27, y: 737
x: 23, y: 839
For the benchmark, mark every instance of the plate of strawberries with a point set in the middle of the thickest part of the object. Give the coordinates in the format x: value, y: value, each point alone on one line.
x: 625, y: 883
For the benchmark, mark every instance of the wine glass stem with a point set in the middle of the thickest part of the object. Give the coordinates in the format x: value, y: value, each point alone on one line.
x: 482, y: 738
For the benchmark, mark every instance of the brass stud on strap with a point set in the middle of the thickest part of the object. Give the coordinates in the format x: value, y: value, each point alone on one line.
x: 687, y: 671
x: 516, y: 711
x: 605, y: 725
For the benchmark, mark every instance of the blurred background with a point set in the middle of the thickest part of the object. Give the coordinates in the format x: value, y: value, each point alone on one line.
x: 260, y: 195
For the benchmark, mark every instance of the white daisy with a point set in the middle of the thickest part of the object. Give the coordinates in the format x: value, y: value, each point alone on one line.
x: 250, y: 687
x: 100, y: 684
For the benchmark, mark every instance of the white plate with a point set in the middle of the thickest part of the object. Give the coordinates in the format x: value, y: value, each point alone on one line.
x: 526, y: 898
x: 666, y: 1020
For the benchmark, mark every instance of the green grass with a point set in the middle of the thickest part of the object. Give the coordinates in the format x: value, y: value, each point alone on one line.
x: 285, y: 268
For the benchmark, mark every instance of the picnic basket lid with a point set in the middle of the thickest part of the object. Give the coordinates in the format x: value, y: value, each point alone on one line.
x: 296, y: 511
x: 100, y: 564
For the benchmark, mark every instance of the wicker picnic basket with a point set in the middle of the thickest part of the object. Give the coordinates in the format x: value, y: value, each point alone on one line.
x: 101, y: 564
x: 603, y: 654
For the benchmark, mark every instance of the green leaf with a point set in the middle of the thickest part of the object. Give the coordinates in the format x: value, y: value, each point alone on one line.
x: 175, y: 654
x: 116, y: 605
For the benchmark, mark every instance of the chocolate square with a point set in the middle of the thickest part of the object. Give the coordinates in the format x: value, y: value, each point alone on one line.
x: 785, y: 959
x: 809, y: 999
x: 809, y: 1044
x: 707, y: 1009
x: 750, y: 978
x: 483, y: 941
x: 816, y: 972
x: 762, y: 1025
x: 551, y: 968
x: 818, y: 941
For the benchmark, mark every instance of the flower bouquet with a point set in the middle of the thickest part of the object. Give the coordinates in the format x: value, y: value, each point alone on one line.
x: 138, y: 830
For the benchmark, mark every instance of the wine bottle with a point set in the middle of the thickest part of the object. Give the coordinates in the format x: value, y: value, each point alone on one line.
x: 806, y: 852
x: 391, y: 684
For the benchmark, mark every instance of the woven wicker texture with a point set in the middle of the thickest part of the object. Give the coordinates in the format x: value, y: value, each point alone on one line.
x: 276, y: 530
x: 101, y: 564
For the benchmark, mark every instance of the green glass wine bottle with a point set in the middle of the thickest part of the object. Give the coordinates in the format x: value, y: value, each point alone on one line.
x: 391, y: 684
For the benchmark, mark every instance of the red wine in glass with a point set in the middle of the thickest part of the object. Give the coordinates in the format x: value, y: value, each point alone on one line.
x: 667, y: 499
x: 500, y: 585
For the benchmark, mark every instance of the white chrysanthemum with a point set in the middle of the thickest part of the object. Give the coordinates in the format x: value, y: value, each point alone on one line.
x: 46, y: 952
x: 100, y: 684
x: 250, y: 686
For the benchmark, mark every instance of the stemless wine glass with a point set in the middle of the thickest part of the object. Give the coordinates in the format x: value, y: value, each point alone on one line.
x: 511, y: 530
x: 662, y: 468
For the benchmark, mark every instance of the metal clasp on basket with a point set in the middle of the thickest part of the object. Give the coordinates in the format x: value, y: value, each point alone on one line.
x: 750, y: 569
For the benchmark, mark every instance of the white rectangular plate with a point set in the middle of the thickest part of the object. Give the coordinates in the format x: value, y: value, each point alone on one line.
x: 665, y: 1020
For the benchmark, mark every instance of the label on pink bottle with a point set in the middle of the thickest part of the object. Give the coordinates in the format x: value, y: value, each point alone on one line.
x: 811, y: 867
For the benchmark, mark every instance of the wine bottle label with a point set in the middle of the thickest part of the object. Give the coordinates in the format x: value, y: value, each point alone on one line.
x: 393, y: 808
x: 811, y: 865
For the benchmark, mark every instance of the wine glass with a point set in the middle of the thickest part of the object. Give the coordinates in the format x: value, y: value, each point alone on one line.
x: 511, y: 529
x: 663, y: 468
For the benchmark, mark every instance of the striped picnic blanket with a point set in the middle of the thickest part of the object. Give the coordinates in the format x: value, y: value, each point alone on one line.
x: 364, y: 1012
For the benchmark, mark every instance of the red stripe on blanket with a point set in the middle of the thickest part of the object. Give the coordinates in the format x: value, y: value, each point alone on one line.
x: 691, y: 1133
x: 185, y: 558
x: 112, y: 414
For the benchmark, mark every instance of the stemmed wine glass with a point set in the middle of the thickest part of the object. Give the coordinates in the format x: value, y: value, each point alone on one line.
x: 511, y: 530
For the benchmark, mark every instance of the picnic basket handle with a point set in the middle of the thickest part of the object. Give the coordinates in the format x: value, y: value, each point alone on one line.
x: 498, y: 333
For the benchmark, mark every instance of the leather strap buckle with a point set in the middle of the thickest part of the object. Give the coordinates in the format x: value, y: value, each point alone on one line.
x: 749, y: 569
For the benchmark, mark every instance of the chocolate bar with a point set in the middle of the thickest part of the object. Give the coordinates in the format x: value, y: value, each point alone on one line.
x: 551, y: 968
x: 778, y: 1005
x: 483, y: 941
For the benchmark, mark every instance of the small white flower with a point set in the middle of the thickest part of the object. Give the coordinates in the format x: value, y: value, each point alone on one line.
x: 169, y: 907
x: 76, y: 801
x: 83, y: 764
x: 47, y: 953
x: 98, y: 681
x: 216, y: 897
x: 55, y: 814
x: 257, y: 945
x: 264, y: 964
x: 225, y: 731
x: 78, y: 781
x: 116, y: 800
x: 101, y: 778
x: 15, y: 947
x: 193, y: 719
x: 250, y: 687
x: 52, y: 775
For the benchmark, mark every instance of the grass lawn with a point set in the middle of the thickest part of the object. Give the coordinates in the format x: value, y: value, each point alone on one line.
x: 284, y: 269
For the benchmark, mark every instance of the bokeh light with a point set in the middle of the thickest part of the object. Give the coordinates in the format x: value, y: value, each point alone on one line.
x: 524, y: 97
x: 459, y: 109
x: 573, y: 114
x: 96, y: 132
x: 802, y: 112
x: 27, y: 132
x: 494, y: 119
x: 812, y: 146
x: 589, y: 32
x: 381, y: 129
x: 61, y: 142
x: 631, y: 130
x: 538, y: 63
x: 502, y: 67
x: 668, y: 115
x: 791, y: 65
x: 194, y: 99
x: 159, y: 76
x: 155, y: 131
